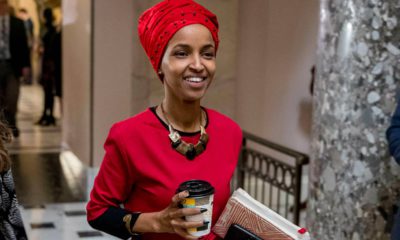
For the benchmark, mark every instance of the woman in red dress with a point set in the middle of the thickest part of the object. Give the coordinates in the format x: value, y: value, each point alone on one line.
x: 149, y: 155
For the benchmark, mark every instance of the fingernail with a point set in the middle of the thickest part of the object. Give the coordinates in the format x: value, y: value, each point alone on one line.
x: 206, y: 222
x: 203, y: 210
x: 186, y: 193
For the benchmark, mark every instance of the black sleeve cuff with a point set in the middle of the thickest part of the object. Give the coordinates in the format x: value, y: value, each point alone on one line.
x: 111, y: 222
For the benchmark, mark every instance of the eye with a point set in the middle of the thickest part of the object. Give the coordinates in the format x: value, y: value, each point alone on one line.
x: 180, y: 54
x: 208, y: 55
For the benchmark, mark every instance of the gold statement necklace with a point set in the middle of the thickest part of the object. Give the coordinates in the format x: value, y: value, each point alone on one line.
x: 187, y: 149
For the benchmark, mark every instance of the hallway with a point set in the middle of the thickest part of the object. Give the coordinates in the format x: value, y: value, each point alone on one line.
x: 49, y: 180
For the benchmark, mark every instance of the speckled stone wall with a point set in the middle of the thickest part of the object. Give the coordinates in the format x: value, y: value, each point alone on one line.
x: 354, y: 183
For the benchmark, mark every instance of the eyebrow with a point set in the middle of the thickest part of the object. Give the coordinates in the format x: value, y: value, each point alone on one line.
x: 182, y: 45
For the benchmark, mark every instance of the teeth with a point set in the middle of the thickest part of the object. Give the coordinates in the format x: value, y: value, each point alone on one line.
x: 194, y: 79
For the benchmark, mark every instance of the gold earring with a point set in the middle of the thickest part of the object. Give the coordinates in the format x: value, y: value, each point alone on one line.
x: 160, y: 72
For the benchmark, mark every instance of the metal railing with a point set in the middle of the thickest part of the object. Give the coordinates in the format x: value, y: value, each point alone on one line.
x: 272, y: 174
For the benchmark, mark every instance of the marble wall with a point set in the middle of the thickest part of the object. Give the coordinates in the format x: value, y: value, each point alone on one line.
x: 353, y: 181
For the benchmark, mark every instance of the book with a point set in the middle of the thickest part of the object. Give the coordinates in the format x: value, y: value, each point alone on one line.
x: 237, y: 232
x: 244, y: 210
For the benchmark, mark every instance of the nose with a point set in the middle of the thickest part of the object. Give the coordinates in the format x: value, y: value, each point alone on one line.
x: 196, y: 64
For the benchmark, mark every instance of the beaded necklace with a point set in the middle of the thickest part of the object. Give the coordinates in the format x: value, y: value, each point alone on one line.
x: 187, y: 149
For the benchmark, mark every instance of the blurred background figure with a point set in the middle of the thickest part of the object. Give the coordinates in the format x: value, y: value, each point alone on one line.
x: 51, y: 67
x: 14, y: 63
x: 24, y: 16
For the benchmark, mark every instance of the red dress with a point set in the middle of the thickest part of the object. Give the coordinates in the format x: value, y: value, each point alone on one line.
x: 142, y: 171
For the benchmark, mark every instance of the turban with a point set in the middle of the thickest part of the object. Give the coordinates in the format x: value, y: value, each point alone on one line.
x: 158, y: 24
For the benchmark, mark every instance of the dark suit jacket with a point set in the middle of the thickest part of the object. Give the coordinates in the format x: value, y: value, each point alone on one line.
x: 393, y: 134
x: 20, y: 55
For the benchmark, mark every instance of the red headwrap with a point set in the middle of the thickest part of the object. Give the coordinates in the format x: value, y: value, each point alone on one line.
x: 159, y: 23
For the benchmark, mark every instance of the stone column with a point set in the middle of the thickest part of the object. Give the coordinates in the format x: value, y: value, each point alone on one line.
x: 354, y: 183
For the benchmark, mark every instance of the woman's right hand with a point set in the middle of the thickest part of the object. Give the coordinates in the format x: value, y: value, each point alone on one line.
x: 172, y: 218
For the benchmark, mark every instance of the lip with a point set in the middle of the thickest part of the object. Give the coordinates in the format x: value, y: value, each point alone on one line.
x: 193, y: 81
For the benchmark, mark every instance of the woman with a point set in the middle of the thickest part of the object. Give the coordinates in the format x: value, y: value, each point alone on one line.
x: 149, y: 155
x: 11, y: 226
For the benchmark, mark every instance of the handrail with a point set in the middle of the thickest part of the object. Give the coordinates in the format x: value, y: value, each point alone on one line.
x: 299, y: 156
x: 255, y: 167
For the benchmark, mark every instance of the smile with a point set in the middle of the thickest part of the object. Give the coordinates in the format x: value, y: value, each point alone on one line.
x: 195, y: 79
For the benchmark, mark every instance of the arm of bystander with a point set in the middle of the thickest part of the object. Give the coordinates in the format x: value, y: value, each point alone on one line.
x: 393, y: 135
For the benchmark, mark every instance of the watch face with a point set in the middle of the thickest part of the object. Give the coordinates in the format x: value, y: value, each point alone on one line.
x: 237, y: 232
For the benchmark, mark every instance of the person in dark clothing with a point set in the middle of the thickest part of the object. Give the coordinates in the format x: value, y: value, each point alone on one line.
x: 51, y: 41
x: 58, y: 66
x: 24, y: 16
x: 14, y: 63
x: 393, y: 137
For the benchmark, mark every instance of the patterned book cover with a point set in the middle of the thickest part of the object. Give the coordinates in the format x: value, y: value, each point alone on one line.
x: 255, y: 219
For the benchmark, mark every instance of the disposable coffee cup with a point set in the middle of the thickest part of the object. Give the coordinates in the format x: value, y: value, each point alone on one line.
x: 201, y: 195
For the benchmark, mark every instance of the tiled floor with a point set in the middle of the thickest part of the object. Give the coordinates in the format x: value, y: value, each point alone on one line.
x: 49, y: 182
x: 35, y: 138
x: 45, y: 178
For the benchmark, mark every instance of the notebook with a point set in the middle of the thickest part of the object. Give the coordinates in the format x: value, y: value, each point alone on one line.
x: 244, y: 210
x: 237, y: 232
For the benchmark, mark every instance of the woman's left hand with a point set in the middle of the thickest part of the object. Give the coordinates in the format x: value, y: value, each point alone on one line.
x: 170, y: 219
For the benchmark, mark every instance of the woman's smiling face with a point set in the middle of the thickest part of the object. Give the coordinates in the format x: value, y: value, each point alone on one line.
x: 188, y: 65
